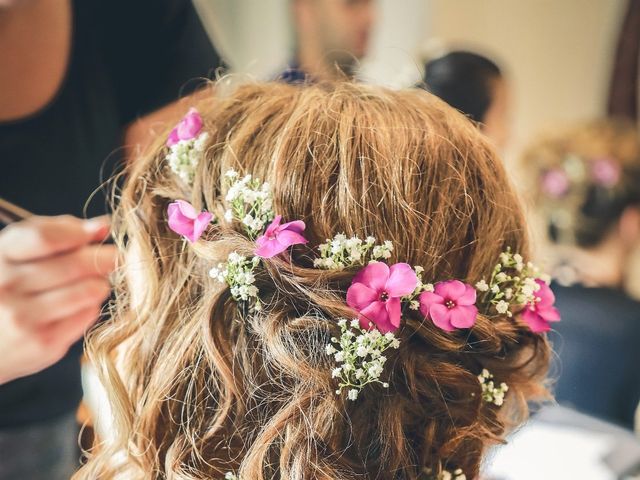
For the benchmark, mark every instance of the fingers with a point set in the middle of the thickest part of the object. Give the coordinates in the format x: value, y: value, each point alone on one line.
x: 60, y: 335
x: 53, y: 272
x: 45, y: 307
x: 40, y: 237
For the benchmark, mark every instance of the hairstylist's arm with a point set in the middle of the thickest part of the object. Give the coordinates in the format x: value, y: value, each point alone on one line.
x: 53, y: 281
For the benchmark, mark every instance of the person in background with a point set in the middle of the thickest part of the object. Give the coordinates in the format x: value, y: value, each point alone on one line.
x: 75, y: 75
x: 587, y: 191
x: 474, y: 85
x: 331, y: 37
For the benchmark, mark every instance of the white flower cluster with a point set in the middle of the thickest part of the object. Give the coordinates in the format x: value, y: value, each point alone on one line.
x: 420, y: 287
x: 512, y: 283
x: 250, y: 202
x: 237, y: 272
x: 359, y: 352
x: 491, y: 393
x: 341, y: 252
x: 230, y: 476
x: 445, y: 475
x: 183, y: 157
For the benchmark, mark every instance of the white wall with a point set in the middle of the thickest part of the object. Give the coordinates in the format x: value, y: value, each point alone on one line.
x: 558, y: 52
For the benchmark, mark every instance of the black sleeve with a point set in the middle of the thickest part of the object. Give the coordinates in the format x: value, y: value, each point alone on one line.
x: 156, y: 50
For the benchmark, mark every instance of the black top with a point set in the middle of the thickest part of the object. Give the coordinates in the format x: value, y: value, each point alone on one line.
x: 598, y: 345
x: 128, y: 58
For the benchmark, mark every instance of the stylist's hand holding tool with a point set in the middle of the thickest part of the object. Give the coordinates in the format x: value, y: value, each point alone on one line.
x: 53, y: 281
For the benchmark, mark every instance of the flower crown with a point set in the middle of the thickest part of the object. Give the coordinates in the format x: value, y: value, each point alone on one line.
x: 577, y: 173
x: 379, y: 292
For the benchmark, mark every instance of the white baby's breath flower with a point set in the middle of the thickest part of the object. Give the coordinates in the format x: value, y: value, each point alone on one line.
x: 502, y: 306
x: 359, y: 351
x: 491, y: 393
x: 482, y: 286
x: 414, y: 305
x: 353, y: 394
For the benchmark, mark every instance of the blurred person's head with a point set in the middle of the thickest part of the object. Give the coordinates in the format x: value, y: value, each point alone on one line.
x: 208, y: 384
x: 332, y: 35
x: 587, y: 190
x: 474, y: 85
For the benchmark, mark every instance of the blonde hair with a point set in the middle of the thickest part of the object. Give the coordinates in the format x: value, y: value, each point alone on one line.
x: 202, y: 387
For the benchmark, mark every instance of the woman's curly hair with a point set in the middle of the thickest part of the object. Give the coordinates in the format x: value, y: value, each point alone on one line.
x: 199, y: 386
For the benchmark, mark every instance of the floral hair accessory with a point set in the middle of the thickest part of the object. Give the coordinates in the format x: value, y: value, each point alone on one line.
x: 277, y: 238
x: 491, y: 393
x: 186, y: 146
x: 375, y: 294
x: 457, y: 474
x: 605, y: 172
x: 359, y: 351
x: 512, y: 284
x: 238, y: 274
x: 185, y: 220
x: 187, y: 129
x: 555, y: 183
x: 341, y: 252
x: 250, y: 201
x: 451, y: 305
x: 540, y: 312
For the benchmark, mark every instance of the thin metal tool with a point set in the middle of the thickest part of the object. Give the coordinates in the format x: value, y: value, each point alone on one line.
x: 10, y: 212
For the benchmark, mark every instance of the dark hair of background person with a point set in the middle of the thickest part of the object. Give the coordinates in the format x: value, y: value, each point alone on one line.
x: 463, y: 80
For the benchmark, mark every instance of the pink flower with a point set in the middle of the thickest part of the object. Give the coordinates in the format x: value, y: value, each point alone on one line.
x: 605, y: 172
x: 375, y: 294
x: 277, y: 238
x: 451, y: 305
x: 186, y: 221
x: 555, y: 183
x: 187, y: 129
x: 538, y: 315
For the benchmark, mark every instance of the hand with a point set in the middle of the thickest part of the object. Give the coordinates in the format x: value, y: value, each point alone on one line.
x: 53, y: 281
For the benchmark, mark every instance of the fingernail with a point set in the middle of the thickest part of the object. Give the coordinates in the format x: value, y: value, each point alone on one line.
x: 98, y: 226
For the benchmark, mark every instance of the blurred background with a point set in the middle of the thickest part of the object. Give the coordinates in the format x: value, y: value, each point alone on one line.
x: 558, y: 55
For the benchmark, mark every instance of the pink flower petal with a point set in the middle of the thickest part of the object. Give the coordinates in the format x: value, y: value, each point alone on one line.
x: 427, y: 299
x: 374, y: 276
x: 297, y: 226
x: 190, y: 125
x: 184, y: 220
x: 535, y: 322
x: 200, y: 224
x: 545, y: 295
x: 549, y: 314
x: 187, y: 209
x: 555, y: 183
x: 468, y: 297
x: 464, y: 316
x: 441, y: 317
x: 394, y: 314
x: 173, y: 138
x: 450, y: 289
x: 267, y: 248
x: 359, y: 296
x: 402, y: 280
x: 288, y: 238
x: 273, y: 227
x: 375, y: 313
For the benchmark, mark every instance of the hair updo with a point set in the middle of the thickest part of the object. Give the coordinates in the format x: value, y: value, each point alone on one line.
x: 200, y: 386
x: 585, y: 177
